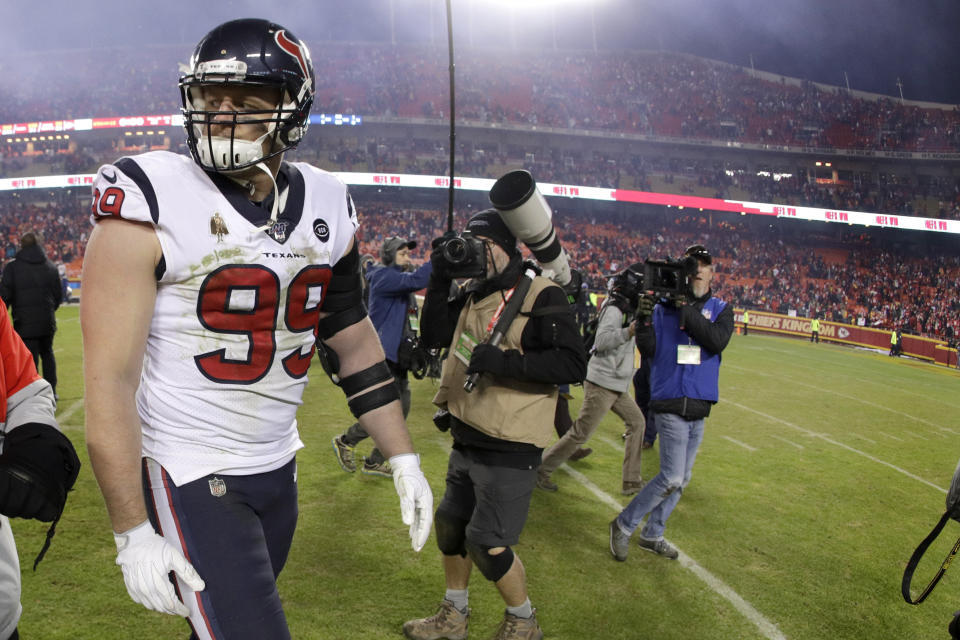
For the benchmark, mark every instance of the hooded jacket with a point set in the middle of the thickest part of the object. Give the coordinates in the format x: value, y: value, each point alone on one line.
x: 31, y: 287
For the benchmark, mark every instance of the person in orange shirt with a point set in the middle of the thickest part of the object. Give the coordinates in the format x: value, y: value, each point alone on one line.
x: 38, y: 464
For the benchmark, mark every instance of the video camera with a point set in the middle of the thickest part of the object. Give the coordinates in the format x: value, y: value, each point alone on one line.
x: 627, y: 285
x: 670, y: 279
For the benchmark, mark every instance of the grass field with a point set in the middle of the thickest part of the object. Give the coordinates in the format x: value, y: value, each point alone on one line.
x: 821, y: 470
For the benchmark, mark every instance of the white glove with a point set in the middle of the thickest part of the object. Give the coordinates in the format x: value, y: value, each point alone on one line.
x: 416, y: 500
x: 146, y: 560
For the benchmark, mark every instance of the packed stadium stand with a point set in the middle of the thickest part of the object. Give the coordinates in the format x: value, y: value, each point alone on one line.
x: 649, y: 121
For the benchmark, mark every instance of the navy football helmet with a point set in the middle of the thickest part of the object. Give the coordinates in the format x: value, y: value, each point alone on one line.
x: 247, y: 52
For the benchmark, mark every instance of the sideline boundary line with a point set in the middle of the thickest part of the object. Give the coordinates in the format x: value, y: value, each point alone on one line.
x: 768, y: 629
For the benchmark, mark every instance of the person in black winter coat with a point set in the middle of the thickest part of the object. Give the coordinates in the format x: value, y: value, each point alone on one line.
x: 31, y: 287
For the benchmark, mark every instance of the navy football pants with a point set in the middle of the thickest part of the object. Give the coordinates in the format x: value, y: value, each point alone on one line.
x: 236, y: 531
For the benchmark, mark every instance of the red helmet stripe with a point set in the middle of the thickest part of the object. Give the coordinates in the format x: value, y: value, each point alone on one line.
x: 295, y: 50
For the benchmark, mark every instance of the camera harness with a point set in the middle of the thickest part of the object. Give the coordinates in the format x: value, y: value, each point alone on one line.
x: 952, y: 512
x: 915, y: 560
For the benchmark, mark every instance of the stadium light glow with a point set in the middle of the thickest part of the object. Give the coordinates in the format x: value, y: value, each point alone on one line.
x: 540, y: 3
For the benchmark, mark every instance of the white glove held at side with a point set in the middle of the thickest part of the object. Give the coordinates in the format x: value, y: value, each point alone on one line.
x: 416, y: 500
x: 146, y: 560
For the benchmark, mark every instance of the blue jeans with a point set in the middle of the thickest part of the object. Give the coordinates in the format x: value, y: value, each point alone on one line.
x: 679, y: 441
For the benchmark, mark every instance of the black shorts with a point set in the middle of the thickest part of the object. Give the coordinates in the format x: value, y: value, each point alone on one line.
x: 494, y: 500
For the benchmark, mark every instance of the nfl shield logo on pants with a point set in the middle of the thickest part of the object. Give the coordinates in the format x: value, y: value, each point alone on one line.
x: 218, y: 488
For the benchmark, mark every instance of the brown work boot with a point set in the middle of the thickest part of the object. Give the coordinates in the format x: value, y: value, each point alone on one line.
x: 448, y: 623
x: 514, y: 628
x: 581, y: 453
x: 630, y: 488
x: 544, y: 482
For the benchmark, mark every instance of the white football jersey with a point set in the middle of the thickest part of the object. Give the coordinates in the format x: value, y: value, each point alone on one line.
x: 237, y: 307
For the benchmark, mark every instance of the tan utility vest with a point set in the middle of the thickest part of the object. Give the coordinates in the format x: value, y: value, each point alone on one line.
x: 500, y: 407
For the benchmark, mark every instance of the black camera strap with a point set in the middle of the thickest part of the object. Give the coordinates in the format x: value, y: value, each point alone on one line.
x: 915, y: 560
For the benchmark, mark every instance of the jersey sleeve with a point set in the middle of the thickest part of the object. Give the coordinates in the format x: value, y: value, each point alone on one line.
x: 123, y: 190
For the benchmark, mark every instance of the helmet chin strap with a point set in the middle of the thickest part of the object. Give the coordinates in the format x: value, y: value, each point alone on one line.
x: 275, y: 206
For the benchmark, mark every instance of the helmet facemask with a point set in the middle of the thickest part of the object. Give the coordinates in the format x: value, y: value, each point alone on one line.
x: 212, y: 132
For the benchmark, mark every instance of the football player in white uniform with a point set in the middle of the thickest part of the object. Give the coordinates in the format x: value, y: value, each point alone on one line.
x: 208, y: 283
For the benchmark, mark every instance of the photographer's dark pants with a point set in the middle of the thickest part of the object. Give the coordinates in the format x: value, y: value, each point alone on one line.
x: 492, y: 501
x: 42, y: 351
x: 355, y: 433
x: 641, y: 393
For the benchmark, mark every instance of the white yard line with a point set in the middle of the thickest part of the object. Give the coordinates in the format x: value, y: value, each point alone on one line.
x: 767, y: 628
x: 789, y: 442
x: 69, y: 412
x: 739, y: 444
x: 890, y: 436
x: 926, y: 396
x: 855, y: 399
x: 830, y: 440
x: 608, y: 441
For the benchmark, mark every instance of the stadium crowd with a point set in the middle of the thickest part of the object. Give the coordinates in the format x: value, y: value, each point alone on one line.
x: 655, y: 93
x: 758, y: 267
x: 660, y: 94
x: 933, y: 197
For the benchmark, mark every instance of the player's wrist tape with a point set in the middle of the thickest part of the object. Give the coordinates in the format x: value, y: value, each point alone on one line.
x: 372, y: 375
x: 134, y: 535
x: 374, y: 399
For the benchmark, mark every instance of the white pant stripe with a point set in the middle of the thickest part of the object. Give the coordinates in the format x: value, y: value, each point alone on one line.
x: 172, y: 534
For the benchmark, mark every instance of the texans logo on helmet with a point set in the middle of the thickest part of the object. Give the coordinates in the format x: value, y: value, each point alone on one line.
x: 321, y: 230
x: 296, y: 50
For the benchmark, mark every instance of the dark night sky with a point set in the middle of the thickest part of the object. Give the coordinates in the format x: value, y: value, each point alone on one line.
x: 873, y: 41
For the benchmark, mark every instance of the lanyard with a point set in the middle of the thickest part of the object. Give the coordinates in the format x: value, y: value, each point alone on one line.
x: 496, y: 314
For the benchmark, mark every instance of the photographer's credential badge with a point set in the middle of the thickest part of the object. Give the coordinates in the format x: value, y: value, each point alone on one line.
x: 464, y: 348
x: 688, y: 354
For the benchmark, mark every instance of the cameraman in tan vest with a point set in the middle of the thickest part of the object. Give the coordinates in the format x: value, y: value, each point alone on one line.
x: 502, y: 426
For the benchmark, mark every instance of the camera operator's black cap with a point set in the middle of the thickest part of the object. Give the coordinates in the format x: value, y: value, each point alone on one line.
x: 699, y: 252
x: 388, y: 251
x: 489, y: 224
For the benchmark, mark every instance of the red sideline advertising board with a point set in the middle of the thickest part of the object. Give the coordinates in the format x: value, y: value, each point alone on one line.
x: 924, y: 348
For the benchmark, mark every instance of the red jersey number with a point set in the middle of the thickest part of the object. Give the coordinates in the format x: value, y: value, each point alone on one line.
x: 245, y: 300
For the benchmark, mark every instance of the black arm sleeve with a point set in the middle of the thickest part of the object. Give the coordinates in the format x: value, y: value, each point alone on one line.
x: 552, y: 347
x: 646, y: 339
x: 438, y: 318
x: 712, y: 336
x: 345, y: 290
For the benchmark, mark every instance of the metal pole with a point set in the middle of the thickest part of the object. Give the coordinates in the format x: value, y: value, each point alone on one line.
x: 453, y: 132
x: 553, y: 24
x: 593, y: 26
x: 393, y: 36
